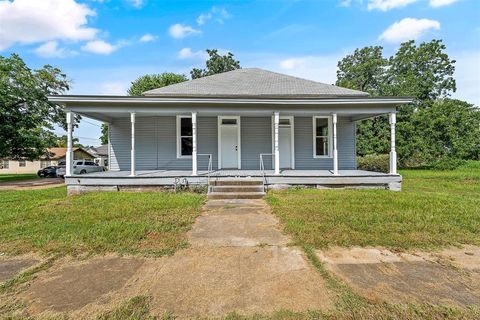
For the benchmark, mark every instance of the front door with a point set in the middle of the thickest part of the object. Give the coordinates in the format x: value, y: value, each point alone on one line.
x: 229, y: 142
x: 285, y: 142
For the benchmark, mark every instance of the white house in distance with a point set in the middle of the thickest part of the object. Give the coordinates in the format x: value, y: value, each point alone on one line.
x: 248, y: 124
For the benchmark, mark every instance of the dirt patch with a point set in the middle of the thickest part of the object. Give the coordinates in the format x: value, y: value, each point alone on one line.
x: 382, y: 275
x: 11, y: 266
x: 236, y: 223
x: 72, y: 285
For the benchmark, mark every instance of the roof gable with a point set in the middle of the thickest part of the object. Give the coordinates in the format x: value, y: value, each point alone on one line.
x: 253, y: 82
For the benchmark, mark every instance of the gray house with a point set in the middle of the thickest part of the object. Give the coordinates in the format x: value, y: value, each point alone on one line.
x: 248, y: 123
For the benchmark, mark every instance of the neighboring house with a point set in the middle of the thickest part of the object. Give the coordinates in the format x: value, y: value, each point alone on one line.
x: 101, y: 155
x: 243, y: 123
x: 53, y: 157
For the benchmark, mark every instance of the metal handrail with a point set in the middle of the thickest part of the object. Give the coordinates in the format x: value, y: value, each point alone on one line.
x: 262, y: 167
x: 210, y: 167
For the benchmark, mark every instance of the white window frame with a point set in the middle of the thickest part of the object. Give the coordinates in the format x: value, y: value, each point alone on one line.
x: 330, y: 137
x: 179, y: 137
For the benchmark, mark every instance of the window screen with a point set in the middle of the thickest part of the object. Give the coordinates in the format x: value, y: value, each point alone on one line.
x: 321, y: 137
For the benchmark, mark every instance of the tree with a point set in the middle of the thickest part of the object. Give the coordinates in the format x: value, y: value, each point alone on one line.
x: 364, y: 70
x: 154, y: 81
x: 423, y: 72
x: 61, y: 142
x: 216, y: 64
x: 26, y: 115
x: 104, y: 136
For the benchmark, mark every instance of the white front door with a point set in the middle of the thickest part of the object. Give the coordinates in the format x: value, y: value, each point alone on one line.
x: 229, y: 142
x: 285, y: 146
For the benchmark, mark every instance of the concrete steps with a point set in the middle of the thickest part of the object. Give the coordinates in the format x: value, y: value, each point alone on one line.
x: 240, y: 188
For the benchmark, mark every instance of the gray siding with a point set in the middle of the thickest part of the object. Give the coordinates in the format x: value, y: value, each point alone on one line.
x: 256, y: 138
x: 304, y: 145
x: 156, y: 144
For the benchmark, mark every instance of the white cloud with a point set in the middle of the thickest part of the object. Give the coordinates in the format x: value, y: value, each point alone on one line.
x: 385, y: 5
x: 322, y: 68
x: 345, y: 3
x: 292, y: 63
x: 25, y: 22
x: 187, y: 53
x: 215, y: 13
x: 113, y: 88
x: 136, y: 3
x: 179, y: 31
x: 441, y: 3
x: 51, y: 49
x: 99, y: 47
x: 148, y: 38
x: 407, y: 29
x: 467, y: 75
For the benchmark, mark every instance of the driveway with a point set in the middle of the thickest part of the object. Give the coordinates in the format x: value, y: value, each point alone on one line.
x: 31, y: 184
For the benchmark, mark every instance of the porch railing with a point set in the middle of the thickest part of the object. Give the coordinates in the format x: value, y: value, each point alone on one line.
x: 262, y: 167
x: 210, y: 167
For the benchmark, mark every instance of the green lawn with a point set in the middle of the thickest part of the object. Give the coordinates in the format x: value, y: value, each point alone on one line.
x: 434, y: 209
x: 148, y: 223
x: 15, y: 177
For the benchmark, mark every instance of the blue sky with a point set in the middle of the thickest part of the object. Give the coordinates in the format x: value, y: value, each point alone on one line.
x: 104, y: 45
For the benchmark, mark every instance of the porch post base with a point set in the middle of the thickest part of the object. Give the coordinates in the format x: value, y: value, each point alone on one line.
x: 395, y: 186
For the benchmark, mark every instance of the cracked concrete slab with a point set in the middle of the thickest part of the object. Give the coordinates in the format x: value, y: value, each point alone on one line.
x: 12, y: 266
x: 236, y: 223
x: 223, y: 271
x: 74, y: 284
x: 382, y: 275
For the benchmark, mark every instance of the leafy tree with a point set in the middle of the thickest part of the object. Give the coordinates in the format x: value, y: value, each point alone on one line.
x: 104, y: 136
x: 364, y: 70
x: 26, y: 115
x: 61, y: 142
x: 423, y: 72
x: 216, y: 63
x: 154, y: 81
x: 449, y: 128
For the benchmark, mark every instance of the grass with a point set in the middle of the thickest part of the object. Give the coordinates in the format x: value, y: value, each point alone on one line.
x: 147, y: 223
x: 434, y: 209
x: 17, y: 177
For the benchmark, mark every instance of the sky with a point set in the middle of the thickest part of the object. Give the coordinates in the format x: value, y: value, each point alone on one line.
x: 104, y: 45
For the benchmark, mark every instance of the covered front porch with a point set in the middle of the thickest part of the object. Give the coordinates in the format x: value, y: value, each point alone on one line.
x: 166, y: 142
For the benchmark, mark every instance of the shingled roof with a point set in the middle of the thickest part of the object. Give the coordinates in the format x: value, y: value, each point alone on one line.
x: 253, y: 83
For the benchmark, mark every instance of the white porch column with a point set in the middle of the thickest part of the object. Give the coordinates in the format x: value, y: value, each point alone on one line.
x: 132, y: 151
x: 276, y: 121
x: 69, y: 158
x: 194, y: 144
x: 393, y: 152
x: 335, y: 151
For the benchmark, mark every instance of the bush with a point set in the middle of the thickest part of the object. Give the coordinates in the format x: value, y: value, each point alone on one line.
x: 374, y: 162
x: 447, y: 164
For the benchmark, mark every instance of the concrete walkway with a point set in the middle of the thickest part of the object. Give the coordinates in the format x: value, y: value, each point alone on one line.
x: 238, y: 261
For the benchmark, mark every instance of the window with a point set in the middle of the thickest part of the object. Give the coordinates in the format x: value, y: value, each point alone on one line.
x: 184, y: 136
x: 284, y: 122
x: 4, y: 164
x: 44, y: 163
x: 229, y: 121
x: 22, y: 163
x: 321, y: 139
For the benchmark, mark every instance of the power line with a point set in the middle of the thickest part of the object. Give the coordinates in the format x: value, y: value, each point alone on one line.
x: 93, y: 124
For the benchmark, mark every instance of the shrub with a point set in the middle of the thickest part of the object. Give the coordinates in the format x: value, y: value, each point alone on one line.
x: 374, y: 162
x: 447, y: 164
